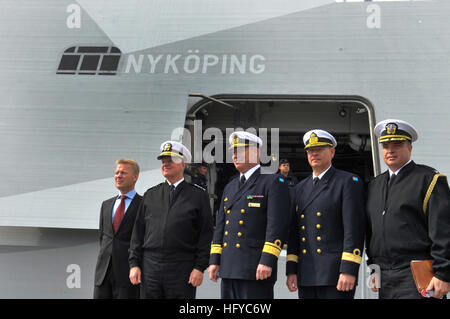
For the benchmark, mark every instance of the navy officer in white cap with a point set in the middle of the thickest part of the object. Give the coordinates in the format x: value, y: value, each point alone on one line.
x: 327, y: 234
x: 408, y: 209
x: 171, y: 238
x: 251, y: 226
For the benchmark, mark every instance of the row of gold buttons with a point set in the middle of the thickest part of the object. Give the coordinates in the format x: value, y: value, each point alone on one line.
x: 318, y: 226
x: 318, y: 214
x: 241, y: 222
x: 239, y: 234
x: 237, y: 245
x: 242, y: 211
x: 318, y: 239
x: 318, y: 250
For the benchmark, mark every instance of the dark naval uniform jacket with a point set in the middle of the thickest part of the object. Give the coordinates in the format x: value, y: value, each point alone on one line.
x: 251, y: 226
x: 411, y: 221
x: 176, y: 231
x: 114, y: 246
x: 327, y: 233
x: 290, y: 180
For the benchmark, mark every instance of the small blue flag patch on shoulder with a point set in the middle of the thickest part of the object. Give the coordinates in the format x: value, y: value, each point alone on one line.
x: 281, y: 179
x: 355, y: 178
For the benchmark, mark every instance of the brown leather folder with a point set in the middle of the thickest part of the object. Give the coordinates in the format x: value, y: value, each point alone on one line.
x: 422, y: 273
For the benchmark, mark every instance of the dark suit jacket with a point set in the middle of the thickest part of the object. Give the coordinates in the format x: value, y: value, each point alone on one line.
x: 252, y: 226
x: 114, y: 247
x: 327, y: 234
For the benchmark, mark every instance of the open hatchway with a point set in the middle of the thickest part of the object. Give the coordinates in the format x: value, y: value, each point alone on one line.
x: 283, y: 120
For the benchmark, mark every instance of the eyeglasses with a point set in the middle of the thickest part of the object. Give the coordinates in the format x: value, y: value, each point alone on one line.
x: 315, y: 150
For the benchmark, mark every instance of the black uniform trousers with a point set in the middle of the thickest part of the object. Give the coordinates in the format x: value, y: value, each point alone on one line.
x: 109, y: 289
x: 398, y: 284
x: 246, y: 289
x: 166, y: 280
x: 324, y: 292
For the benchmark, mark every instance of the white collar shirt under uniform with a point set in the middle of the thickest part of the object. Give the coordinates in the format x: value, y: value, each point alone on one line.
x: 250, y: 172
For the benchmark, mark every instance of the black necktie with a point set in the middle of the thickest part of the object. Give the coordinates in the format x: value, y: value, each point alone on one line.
x: 315, y: 182
x: 171, y: 192
x: 242, y: 181
x: 392, y: 180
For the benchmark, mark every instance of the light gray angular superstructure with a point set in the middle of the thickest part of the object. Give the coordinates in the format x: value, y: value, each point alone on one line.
x: 61, y: 133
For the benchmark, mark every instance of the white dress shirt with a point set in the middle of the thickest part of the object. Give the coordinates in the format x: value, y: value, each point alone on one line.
x: 398, y: 171
x: 321, y: 174
x: 250, y: 172
x: 130, y: 195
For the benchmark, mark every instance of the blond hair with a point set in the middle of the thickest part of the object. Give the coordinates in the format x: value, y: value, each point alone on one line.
x: 129, y: 161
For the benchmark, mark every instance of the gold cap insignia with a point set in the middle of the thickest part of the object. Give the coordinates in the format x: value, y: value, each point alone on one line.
x: 235, y: 140
x: 391, y: 128
x: 313, y: 139
x: 167, y: 147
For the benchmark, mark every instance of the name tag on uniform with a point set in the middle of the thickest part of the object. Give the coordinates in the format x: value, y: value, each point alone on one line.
x: 254, y: 204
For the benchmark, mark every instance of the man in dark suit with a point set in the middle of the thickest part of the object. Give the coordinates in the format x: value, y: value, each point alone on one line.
x: 327, y: 234
x: 170, y: 243
x: 408, y: 210
x: 251, y: 226
x: 117, y: 218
